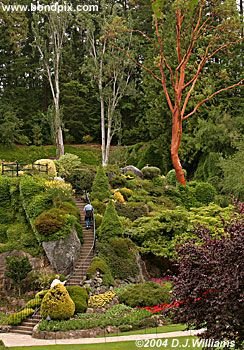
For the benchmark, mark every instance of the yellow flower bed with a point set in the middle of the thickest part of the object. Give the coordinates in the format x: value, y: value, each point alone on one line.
x: 101, y: 300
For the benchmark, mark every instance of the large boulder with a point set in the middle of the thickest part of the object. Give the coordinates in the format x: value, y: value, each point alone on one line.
x: 132, y: 169
x: 63, y: 253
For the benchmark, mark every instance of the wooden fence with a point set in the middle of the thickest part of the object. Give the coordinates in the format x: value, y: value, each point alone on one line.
x: 16, y: 169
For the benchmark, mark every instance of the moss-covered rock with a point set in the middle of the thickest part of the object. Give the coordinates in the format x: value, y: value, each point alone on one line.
x: 57, y: 304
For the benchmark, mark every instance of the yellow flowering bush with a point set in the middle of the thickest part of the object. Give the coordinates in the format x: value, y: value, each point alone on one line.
x: 42, y: 163
x: 101, y: 300
x: 118, y: 197
x: 62, y: 187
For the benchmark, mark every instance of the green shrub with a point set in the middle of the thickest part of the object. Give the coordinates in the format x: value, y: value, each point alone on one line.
x: 34, y: 303
x: 4, y: 191
x: 6, y: 215
x: 82, y: 179
x: 126, y: 192
x: 118, y: 180
x: 171, y: 177
x: 15, y: 231
x: 80, y: 298
x: 16, y: 318
x: 205, y: 192
x: 57, y: 304
x: 100, y: 187
x: 17, y: 268
x: 99, y: 264
x: 38, y: 204
x: 50, y: 221
x: 150, y: 172
x: 67, y: 164
x: 98, y: 220
x: 30, y: 187
x: 132, y: 210
x: 145, y: 294
x: 3, y: 233
x: 120, y: 255
x: 99, y: 207
x: 111, y: 225
x: 70, y: 208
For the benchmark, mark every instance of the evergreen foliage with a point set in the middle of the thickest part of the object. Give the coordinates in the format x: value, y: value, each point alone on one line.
x: 145, y: 294
x: 99, y: 264
x: 79, y: 296
x: 205, y: 192
x: 111, y: 225
x: 57, y: 304
x: 100, y: 187
x: 120, y: 255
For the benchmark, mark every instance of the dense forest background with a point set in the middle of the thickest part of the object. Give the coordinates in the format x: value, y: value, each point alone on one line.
x: 142, y: 117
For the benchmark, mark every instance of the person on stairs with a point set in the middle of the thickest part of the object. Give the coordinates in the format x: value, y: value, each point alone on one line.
x: 88, y: 209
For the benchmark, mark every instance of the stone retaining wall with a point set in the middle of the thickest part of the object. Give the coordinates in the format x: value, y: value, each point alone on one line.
x: 82, y: 333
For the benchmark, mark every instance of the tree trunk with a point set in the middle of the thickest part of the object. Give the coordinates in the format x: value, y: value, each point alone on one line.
x: 58, y: 132
x: 103, y: 131
x: 175, y: 145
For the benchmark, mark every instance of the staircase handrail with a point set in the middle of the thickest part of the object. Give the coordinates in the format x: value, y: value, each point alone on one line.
x: 92, y: 249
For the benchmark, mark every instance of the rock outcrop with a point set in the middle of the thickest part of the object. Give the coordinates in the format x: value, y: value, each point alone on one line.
x: 62, y: 254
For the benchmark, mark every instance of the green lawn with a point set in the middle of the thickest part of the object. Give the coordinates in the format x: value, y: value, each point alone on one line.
x: 162, y: 329
x: 89, y: 154
x: 130, y: 345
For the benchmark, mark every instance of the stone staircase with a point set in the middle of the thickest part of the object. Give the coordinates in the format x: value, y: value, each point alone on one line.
x: 86, y: 255
x: 78, y: 274
x: 26, y: 327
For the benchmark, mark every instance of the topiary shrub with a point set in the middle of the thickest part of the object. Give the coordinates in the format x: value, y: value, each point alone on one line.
x: 150, y: 172
x: 120, y: 255
x: 16, y: 318
x: 41, y: 294
x: 111, y: 225
x: 80, y: 298
x: 100, y: 187
x: 57, y: 304
x: 205, y: 192
x: 33, y: 303
x: 132, y: 210
x: 171, y: 177
x: 145, y: 294
x: 50, y: 221
x: 99, y: 264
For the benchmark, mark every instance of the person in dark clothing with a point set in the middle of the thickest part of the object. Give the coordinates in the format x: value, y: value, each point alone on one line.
x: 88, y: 209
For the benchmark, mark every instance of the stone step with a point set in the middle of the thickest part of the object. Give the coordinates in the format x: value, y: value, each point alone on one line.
x: 20, y: 331
x: 23, y: 328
